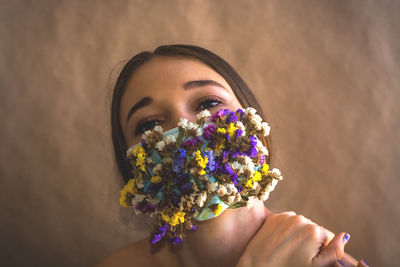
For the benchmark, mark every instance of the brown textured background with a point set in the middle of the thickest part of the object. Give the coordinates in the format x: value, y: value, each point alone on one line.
x: 326, y: 72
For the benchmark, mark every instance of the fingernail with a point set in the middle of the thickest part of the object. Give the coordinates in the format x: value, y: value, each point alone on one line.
x: 365, y: 262
x: 340, y: 262
x: 346, y: 238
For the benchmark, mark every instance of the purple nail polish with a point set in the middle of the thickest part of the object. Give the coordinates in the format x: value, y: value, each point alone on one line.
x: 365, y: 262
x: 341, y: 263
x: 346, y: 238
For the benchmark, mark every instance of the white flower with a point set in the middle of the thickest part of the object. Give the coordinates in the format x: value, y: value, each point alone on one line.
x: 139, y: 183
x: 160, y: 146
x: 129, y: 152
x: 149, y: 160
x: 255, y: 184
x: 183, y: 123
x: 241, y: 126
x: 201, y: 198
x: 256, y: 123
x: 250, y: 111
x: 230, y: 189
x: 199, y: 131
x: 266, y: 129
x: 272, y: 186
x: 231, y: 199
x: 146, y: 134
x: 204, y: 114
x: 170, y: 139
x: 211, y: 187
x: 238, y: 197
x: 276, y: 174
x: 158, y: 129
x: 157, y: 168
x: 137, y: 199
x: 236, y: 165
x: 247, y: 160
x: 264, y: 150
x: 192, y: 125
x: 221, y: 191
x: 264, y: 196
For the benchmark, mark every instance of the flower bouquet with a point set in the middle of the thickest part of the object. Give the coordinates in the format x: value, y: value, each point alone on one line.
x: 198, y: 169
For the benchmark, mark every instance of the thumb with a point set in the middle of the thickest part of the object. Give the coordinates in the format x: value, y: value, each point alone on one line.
x: 332, y: 252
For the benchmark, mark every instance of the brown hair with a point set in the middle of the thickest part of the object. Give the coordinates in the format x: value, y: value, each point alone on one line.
x: 239, y: 87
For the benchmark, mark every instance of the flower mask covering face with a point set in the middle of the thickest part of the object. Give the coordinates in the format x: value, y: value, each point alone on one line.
x: 199, y: 169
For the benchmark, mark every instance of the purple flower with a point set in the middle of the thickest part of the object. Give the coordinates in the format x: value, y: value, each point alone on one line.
x: 146, y: 207
x: 192, y: 142
x: 234, y: 179
x: 241, y: 113
x: 175, y: 240
x: 252, y: 151
x: 238, y: 133
x: 159, y: 235
x: 239, y: 188
x: 231, y: 117
x: 228, y: 169
x: 179, y: 161
x: 209, y: 131
x: 211, y: 162
x: 194, y: 227
x: 262, y: 159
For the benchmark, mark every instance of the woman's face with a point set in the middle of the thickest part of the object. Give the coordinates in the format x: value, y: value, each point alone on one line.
x: 167, y: 88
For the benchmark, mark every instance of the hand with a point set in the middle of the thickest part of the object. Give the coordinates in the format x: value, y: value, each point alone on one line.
x: 287, y: 239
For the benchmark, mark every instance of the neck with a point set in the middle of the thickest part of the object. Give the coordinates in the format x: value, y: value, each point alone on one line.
x: 222, y: 240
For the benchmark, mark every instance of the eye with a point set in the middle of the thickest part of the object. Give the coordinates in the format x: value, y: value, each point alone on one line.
x: 209, y: 102
x: 145, y: 125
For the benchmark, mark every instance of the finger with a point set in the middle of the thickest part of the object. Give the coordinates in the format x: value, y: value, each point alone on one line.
x: 333, y: 252
x: 349, y: 260
x: 288, y: 213
x: 329, y: 235
x: 339, y: 263
x: 362, y: 263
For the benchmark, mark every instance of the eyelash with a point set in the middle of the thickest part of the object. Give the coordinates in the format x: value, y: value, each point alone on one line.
x: 149, y: 122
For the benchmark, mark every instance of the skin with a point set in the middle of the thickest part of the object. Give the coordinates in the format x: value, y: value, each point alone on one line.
x: 240, y: 237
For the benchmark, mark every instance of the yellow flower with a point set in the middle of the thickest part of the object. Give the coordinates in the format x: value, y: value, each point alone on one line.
x: 221, y: 130
x: 155, y: 179
x: 177, y: 218
x: 141, y: 161
x: 218, y: 210
x: 231, y: 129
x: 219, y: 146
x: 130, y: 189
x: 138, y: 150
x: 249, y: 183
x: 201, y: 162
x: 257, y: 176
x: 265, y: 168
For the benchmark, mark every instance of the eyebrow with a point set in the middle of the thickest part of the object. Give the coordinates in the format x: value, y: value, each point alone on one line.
x: 142, y: 103
x: 187, y: 86
x: 200, y: 83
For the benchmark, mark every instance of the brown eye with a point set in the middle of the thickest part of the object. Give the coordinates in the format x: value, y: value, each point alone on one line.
x: 209, y: 102
x: 146, y: 125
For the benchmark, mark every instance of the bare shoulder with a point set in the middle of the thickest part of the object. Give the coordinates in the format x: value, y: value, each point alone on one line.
x: 140, y: 254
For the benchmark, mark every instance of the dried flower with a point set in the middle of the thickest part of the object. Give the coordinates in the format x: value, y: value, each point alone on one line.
x: 195, y: 172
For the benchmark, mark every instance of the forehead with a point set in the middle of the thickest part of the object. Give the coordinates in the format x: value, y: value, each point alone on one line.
x: 163, y: 73
x: 165, y: 76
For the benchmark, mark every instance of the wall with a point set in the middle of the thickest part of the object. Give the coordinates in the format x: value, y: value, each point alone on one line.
x: 326, y: 72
